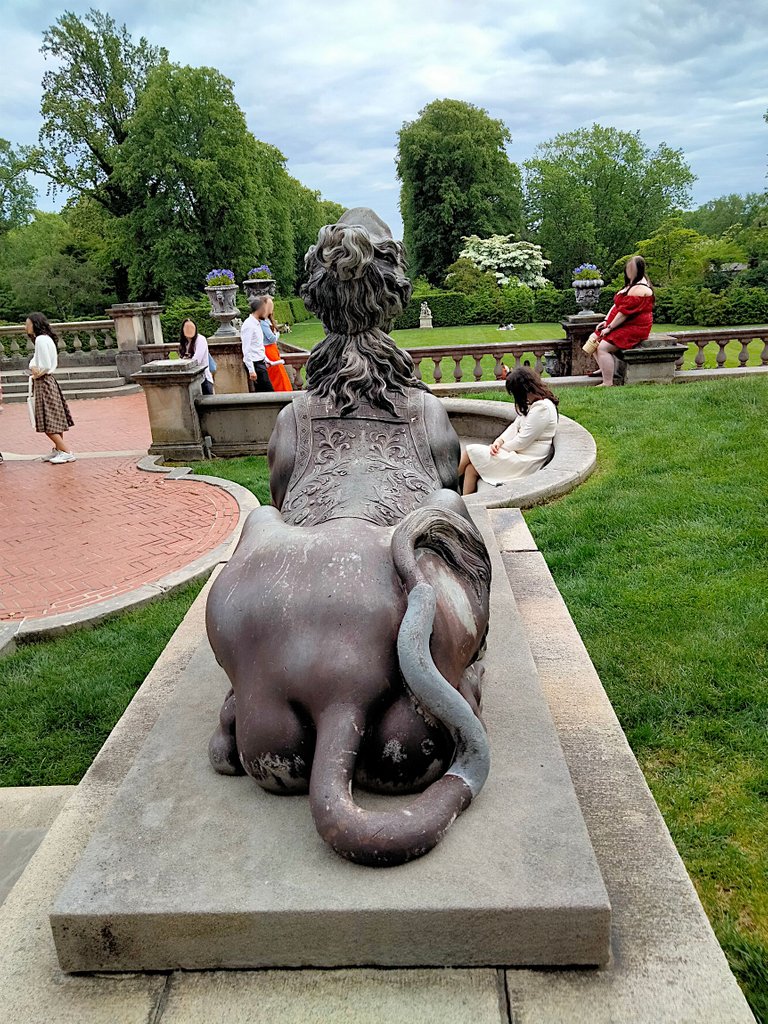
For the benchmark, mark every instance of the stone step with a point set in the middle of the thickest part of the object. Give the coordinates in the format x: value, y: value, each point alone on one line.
x: 63, y: 373
x: 25, y: 815
x: 81, y: 383
x: 77, y: 390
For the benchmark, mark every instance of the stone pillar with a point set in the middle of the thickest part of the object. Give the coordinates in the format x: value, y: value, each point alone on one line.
x: 136, y: 323
x: 231, y: 377
x: 652, y: 361
x: 577, y: 329
x: 171, y: 387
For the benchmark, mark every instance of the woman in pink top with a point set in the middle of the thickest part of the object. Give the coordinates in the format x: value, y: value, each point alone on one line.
x: 629, y: 321
x: 195, y: 346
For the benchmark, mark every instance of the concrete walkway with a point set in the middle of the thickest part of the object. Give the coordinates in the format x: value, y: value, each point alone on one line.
x: 98, y: 529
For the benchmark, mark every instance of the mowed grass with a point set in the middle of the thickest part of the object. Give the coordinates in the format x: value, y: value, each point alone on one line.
x: 662, y: 558
x: 310, y: 332
x: 61, y: 698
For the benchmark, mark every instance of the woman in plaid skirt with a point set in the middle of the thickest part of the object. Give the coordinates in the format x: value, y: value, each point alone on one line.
x: 52, y: 415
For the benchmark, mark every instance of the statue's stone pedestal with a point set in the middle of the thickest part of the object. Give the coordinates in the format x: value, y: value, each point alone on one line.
x: 195, y: 870
x: 425, y: 322
x: 577, y: 329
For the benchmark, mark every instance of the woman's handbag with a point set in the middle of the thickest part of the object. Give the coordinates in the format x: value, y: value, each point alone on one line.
x: 211, y: 363
x: 31, y: 405
x: 590, y: 346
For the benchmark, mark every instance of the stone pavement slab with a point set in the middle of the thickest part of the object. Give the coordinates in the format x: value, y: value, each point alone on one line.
x: 196, y: 870
x: 336, y: 997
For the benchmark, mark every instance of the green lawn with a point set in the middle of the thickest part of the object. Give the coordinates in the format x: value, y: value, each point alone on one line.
x: 662, y: 558
x: 61, y: 698
x: 310, y: 332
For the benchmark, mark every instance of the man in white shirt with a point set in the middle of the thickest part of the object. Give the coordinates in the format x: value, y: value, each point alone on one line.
x: 252, y: 341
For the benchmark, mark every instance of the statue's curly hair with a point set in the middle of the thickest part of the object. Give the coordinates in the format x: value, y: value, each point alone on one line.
x: 357, y: 286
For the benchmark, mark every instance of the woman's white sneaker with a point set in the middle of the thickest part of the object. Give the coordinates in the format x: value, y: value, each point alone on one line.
x: 62, y: 457
x: 51, y: 455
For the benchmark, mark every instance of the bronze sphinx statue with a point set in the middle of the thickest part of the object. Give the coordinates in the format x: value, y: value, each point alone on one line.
x: 352, y: 617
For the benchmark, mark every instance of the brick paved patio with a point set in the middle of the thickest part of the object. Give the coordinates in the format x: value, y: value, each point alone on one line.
x: 79, y: 533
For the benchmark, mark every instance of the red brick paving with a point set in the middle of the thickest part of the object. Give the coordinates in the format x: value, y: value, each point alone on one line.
x: 75, y: 534
x: 101, y: 425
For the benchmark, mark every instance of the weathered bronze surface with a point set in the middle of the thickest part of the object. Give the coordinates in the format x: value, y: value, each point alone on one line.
x: 351, y: 619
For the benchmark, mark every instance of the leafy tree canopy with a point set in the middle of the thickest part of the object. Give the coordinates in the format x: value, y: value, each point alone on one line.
x: 17, y: 196
x: 593, y: 192
x: 676, y: 254
x: 457, y: 180
x: 89, y: 100
x: 45, y: 265
x: 727, y: 214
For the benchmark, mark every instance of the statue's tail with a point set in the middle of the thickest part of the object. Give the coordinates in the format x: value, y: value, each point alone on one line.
x: 393, y: 837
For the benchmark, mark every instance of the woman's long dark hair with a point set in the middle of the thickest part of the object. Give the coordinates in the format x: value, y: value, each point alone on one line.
x: 40, y: 326
x: 187, y: 345
x: 638, y: 276
x: 522, y: 383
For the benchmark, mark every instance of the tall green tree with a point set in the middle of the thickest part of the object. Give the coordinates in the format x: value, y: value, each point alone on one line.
x: 17, y: 196
x: 192, y: 169
x: 88, y: 101
x: 457, y: 180
x: 593, y: 192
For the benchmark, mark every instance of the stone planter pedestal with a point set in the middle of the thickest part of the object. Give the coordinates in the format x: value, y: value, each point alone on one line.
x: 171, y: 387
x: 652, y: 361
x: 577, y: 329
x: 231, y: 377
x: 136, y: 323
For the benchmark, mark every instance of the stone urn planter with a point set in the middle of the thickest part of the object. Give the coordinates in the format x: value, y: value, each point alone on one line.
x: 587, y: 294
x: 255, y: 286
x: 223, y: 308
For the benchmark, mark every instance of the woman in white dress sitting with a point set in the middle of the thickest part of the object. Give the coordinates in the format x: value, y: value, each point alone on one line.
x: 525, y: 445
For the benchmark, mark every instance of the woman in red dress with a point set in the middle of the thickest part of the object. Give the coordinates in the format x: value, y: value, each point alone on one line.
x: 629, y: 321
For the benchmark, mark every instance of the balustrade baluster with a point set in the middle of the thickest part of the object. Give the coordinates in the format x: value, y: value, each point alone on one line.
x: 518, y: 360
x: 109, y: 339
x: 680, y: 359
x: 744, y: 352
x: 699, y: 360
x: 477, y: 373
x: 457, y: 373
x: 497, y: 368
x: 720, y: 357
x: 538, y: 365
x: 438, y: 370
x: 764, y: 353
x: 417, y: 367
x: 77, y: 344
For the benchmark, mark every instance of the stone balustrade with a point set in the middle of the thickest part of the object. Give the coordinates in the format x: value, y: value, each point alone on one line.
x: 513, y: 353
x: 75, y: 336
x: 722, y: 338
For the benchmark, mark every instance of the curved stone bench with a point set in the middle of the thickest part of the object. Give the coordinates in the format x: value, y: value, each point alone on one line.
x: 574, y: 459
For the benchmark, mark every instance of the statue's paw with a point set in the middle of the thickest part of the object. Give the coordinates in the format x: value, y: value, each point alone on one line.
x: 222, y: 753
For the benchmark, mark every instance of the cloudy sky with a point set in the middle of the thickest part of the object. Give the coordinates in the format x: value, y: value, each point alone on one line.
x: 331, y: 83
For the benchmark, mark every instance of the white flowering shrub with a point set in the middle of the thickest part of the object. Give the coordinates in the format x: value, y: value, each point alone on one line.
x: 510, y: 262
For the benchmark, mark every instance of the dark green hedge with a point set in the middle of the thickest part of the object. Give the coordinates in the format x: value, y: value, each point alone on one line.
x: 287, y: 311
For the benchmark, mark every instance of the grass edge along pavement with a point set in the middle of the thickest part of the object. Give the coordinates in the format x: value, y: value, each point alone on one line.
x: 660, y: 557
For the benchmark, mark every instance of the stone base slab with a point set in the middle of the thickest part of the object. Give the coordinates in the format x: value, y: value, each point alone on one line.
x: 195, y: 870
